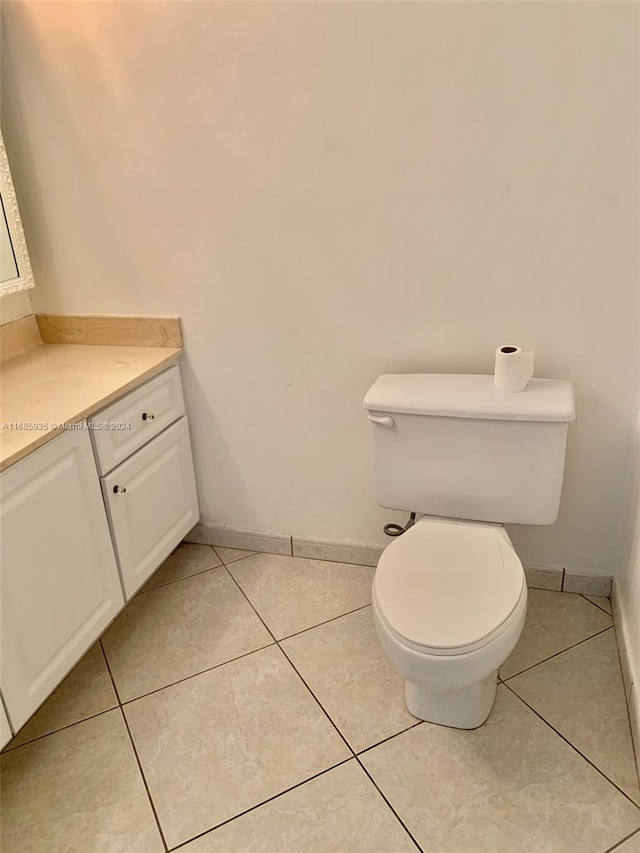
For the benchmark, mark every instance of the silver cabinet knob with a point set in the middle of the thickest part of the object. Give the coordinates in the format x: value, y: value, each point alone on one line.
x: 147, y: 416
x: 119, y: 490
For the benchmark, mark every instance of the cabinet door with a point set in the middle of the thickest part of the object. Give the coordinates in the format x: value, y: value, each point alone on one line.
x: 59, y: 579
x: 5, y: 728
x: 152, y: 504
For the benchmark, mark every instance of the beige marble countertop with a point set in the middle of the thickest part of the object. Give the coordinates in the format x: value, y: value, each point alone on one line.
x: 56, y: 384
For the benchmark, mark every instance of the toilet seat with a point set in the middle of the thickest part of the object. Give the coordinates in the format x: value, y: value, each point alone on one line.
x: 447, y: 588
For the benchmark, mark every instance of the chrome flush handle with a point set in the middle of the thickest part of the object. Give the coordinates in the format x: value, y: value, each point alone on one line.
x: 384, y: 420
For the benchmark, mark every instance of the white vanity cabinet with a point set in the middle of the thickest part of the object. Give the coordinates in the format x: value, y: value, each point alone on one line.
x: 82, y: 520
x: 59, y: 583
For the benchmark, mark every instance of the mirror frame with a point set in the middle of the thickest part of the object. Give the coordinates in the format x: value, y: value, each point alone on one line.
x: 24, y: 279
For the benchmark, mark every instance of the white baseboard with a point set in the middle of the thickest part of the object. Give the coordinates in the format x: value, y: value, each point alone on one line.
x: 544, y: 577
x: 337, y: 552
x: 247, y: 540
x: 578, y: 580
x: 538, y: 577
x: 630, y: 677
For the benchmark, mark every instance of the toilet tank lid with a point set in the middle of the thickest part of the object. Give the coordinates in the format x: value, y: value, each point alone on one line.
x: 470, y: 396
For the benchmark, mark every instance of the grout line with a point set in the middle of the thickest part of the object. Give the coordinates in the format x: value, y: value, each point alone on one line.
x: 379, y: 790
x: 555, y: 654
x: 113, y: 681
x: 230, y: 660
x: 326, y: 622
x: 144, y: 781
x: 196, y: 674
x: 296, y: 671
x: 177, y: 580
x: 222, y: 565
x: 575, y: 748
x: 350, y: 748
x: 315, y: 698
x: 293, y: 667
x: 321, y: 706
x: 237, y: 559
x: 304, y: 630
x: 313, y: 695
x: 202, y: 671
x: 626, y: 699
x: 249, y: 602
x: 618, y: 844
x: 333, y: 619
x: 262, y: 803
x: 9, y: 748
x: 135, y: 752
x: 298, y: 557
x: 391, y: 737
x: 596, y: 605
x: 620, y: 646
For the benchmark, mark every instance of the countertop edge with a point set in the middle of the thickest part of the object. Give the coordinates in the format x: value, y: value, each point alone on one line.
x: 42, y: 438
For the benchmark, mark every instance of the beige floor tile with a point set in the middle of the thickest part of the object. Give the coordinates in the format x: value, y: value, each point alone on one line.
x: 345, y: 667
x: 555, y: 621
x: 230, y: 555
x: 178, y: 630
x: 580, y: 693
x: 338, y: 812
x: 631, y: 845
x: 86, y: 691
x: 601, y: 601
x: 511, y: 785
x: 294, y: 593
x: 185, y: 561
x: 78, y: 791
x: 224, y: 741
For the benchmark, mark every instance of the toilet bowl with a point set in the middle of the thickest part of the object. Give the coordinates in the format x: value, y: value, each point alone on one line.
x: 449, y: 604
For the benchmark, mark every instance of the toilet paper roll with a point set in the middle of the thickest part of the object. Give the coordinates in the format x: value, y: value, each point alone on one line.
x: 514, y: 368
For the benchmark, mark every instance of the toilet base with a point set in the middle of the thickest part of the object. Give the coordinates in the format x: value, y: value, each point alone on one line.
x: 466, y: 708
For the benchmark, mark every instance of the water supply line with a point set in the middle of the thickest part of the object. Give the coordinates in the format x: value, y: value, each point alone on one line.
x: 396, y: 530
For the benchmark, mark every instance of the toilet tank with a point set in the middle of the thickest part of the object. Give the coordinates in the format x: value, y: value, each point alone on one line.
x: 455, y: 446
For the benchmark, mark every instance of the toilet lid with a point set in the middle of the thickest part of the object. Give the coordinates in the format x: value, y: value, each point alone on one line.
x: 445, y: 586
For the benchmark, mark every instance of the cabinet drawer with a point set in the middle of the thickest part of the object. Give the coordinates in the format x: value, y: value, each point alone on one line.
x: 151, y: 503
x: 145, y: 412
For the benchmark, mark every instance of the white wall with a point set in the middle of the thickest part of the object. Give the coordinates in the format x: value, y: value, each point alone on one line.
x: 327, y: 191
x: 13, y: 306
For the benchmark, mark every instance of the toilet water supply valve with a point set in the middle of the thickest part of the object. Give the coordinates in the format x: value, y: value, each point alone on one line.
x: 396, y: 530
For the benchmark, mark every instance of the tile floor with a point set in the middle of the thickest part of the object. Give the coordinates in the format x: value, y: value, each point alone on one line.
x: 241, y: 704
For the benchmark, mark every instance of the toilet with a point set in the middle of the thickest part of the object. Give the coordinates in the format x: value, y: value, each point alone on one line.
x: 449, y: 594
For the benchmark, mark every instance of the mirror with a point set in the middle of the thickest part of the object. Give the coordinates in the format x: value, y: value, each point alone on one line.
x: 15, y: 267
